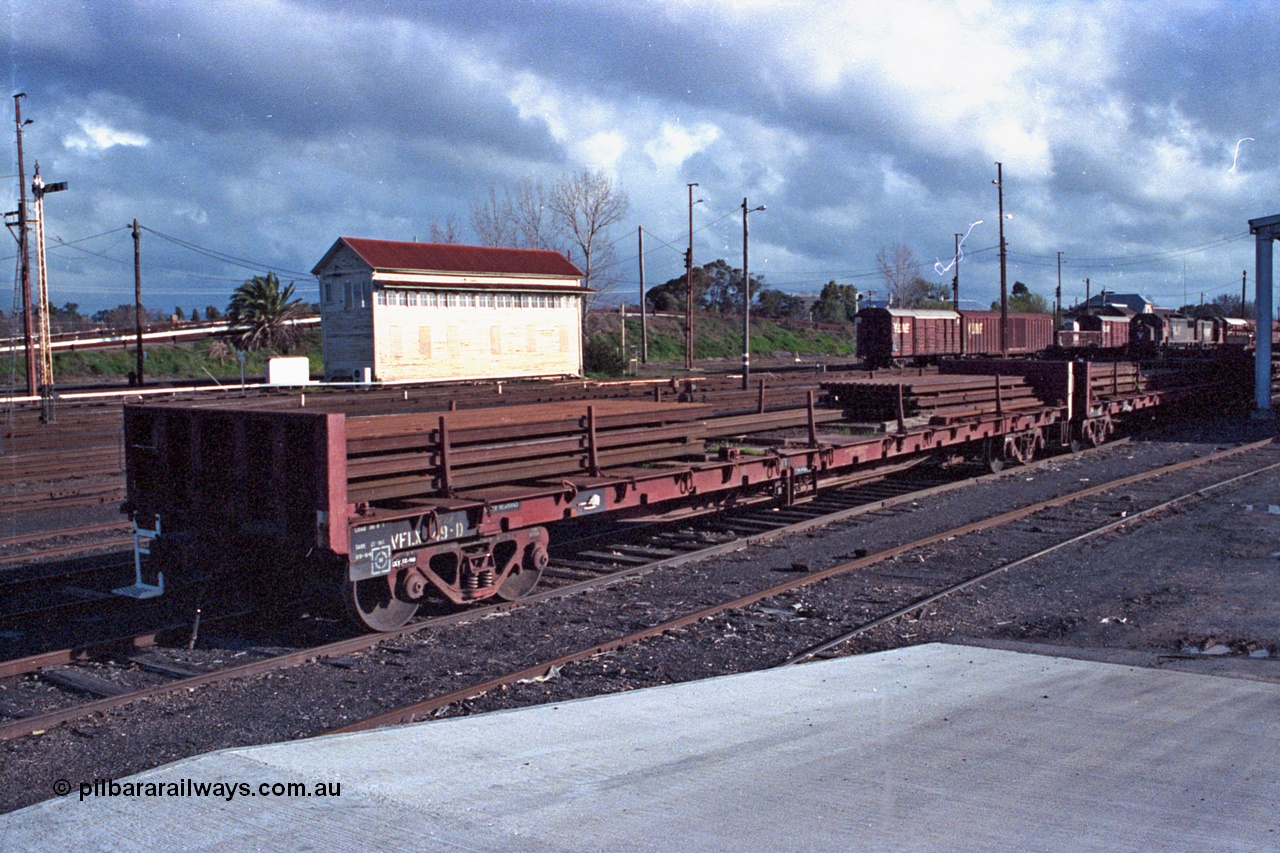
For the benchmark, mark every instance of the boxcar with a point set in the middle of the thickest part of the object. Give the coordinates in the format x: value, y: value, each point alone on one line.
x: 1028, y: 333
x: 1113, y: 332
x: 1149, y: 333
x: 886, y: 335
x: 1232, y: 331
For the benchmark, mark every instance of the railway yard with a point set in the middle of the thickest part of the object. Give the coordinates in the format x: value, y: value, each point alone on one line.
x: 820, y: 514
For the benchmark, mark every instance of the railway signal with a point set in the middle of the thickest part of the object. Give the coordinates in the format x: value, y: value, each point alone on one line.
x: 39, y: 189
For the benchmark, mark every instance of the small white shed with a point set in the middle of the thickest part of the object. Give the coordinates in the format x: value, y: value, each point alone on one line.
x: 441, y: 311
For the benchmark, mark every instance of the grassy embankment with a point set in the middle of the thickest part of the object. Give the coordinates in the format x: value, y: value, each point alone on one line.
x: 163, y: 361
x: 716, y: 338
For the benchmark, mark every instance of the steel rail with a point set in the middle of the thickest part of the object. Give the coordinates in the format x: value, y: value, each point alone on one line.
x: 411, y: 712
x: 39, y: 723
x: 25, y: 726
x: 28, y: 538
x: 106, y: 545
x: 832, y: 643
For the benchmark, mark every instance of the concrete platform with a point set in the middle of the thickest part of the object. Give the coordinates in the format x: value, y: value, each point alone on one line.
x: 933, y: 748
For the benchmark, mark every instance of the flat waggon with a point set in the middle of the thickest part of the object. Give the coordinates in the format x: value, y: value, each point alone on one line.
x: 393, y: 508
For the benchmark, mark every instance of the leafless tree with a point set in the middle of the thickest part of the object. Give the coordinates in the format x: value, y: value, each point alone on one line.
x: 519, y: 216
x: 491, y: 221
x: 446, y: 233
x: 584, y: 205
x: 901, y: 273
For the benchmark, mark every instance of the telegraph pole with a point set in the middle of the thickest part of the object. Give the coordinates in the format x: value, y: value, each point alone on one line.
x: 746, y: 299
x: 137, y: 293
x: 644, y: 327
x: 1057, y: 314
x: 1244, y: 279
x: 1004, y: 292
x: 24, y: 250
x: 955, y: 279
x: 688, y: 269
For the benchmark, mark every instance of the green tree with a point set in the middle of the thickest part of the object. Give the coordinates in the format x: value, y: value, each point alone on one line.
x: 122, y: 317
x: 778, y: 305
x: 1021, y: 299
x: 716, y: 287
x: 837, y: 303
x: 211, y: 312
x: 195, y: 315
x: 260, y: 313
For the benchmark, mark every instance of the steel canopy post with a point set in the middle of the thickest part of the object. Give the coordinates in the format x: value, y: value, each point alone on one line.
x: 1266, y: 230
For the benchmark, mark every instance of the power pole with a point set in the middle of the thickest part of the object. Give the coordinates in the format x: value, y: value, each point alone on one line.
x: 644, y: 327
x: 688, y: 271
x: 1057, y: 314
x: 1086, y: 297
x: 1244, y: 278
x: 955, y: 279
x: 137, y: 293
x: 746, y: 300
x: 24, y: 250
x: 1004, y: 292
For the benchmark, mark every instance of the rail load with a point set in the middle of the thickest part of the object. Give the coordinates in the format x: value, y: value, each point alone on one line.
x: 394, y: 509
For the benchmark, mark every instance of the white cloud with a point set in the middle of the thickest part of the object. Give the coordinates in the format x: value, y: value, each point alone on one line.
x: 602, y: 150
x: 97, y: 135
x: 676, y: 143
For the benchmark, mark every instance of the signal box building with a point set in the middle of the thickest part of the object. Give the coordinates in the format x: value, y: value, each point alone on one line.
x: 395, y: 311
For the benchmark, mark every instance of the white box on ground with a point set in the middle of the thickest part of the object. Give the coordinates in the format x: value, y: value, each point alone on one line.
x: 288, y: 370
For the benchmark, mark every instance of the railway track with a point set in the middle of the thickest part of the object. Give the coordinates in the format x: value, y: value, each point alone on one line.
x: 152, y: 679
x: 1075, y: 522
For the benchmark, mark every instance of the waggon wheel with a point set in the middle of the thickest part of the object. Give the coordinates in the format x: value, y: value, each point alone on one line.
x: 525, y: 576
x: 373, y: 607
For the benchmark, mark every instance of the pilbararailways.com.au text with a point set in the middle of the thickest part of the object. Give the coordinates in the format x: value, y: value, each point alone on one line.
x: 192, y: 788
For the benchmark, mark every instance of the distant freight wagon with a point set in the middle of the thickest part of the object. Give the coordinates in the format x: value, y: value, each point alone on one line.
x: 888, y: 336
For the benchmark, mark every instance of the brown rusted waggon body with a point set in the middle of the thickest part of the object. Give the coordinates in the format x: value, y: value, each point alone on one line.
x: 900, y: 335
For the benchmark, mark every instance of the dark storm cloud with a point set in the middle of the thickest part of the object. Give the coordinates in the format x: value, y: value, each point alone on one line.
x: 265, y: 130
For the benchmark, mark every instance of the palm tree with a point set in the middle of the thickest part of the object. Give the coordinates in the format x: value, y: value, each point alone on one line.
x: 260, y: 313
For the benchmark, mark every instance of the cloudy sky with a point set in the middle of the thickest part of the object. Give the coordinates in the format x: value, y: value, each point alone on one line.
x: 1137, y: 138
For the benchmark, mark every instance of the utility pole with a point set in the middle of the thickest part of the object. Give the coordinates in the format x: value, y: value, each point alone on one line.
x: 1244, y: 278
x: 644, y: 326
x: 746, y: 300
x: 1057, y: 314
x: 688, y: 270
x: 137, y: 294
x: 1086, y: 297
x: 24, y: 250
x: 1004, y: 292
x: 955, y: 278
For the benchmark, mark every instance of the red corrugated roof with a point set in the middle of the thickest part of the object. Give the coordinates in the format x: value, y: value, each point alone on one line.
x: 451, y: 257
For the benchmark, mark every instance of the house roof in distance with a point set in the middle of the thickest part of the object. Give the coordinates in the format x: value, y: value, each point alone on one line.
x: 404, y: 256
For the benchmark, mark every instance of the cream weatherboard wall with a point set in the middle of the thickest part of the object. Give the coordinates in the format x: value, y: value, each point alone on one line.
x: 468, y: 342
x: 501, y: 313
